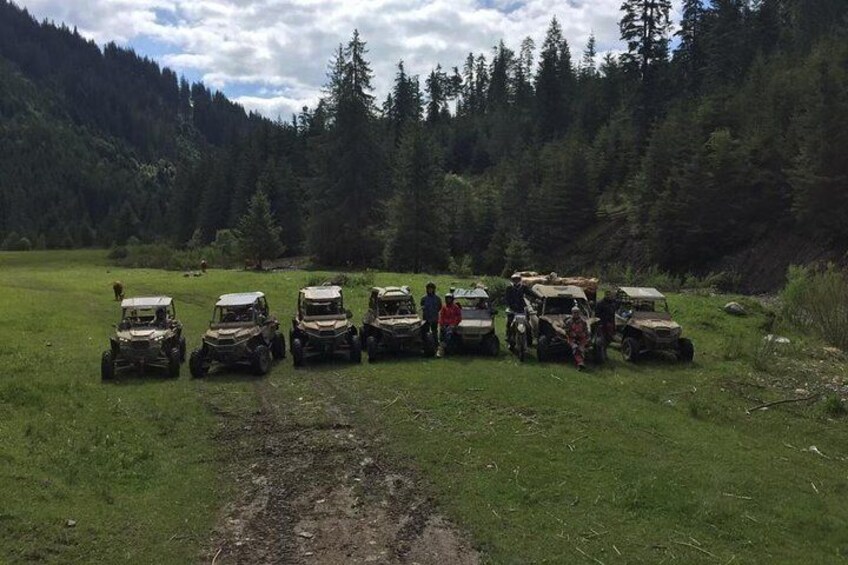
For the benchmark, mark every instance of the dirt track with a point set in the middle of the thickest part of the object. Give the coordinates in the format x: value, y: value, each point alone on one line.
x: 314, y: 490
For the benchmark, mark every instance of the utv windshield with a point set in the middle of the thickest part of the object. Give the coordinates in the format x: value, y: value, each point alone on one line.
x: 233, y: 315
x: 560, y: 306
x: 143, y: 317
x: 649, y: 306
x: 402, y: 307
x: 322, y: 308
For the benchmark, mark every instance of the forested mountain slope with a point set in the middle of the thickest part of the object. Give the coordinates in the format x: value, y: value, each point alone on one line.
x: 712, y: 154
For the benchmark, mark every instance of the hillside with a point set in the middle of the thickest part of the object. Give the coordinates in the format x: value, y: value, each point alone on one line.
x: 723, y: 153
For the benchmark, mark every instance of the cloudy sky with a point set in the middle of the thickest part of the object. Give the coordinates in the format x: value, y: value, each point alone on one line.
x: 272, y: 55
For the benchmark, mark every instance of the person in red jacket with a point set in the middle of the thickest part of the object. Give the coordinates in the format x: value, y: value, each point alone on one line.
x: 449, y: 318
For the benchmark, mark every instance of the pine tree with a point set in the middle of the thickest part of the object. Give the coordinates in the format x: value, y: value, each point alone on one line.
x: 404, y: 105
x: 644, y: 27
x: 417, y: 233
x: 349, y: 165
x: 553, y: 81
x: 689, y: 55
x: 258, y: 232
x: 587, y: 65
x: 437, y: 96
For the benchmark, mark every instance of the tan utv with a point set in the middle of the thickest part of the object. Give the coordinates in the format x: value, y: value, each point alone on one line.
x: 477, y: 328
x: 643, y: 324
x: 548, y: 307
x: 242, y: 331
x: 392, y: 324
x: 149, y: 334
x: 322, y: 326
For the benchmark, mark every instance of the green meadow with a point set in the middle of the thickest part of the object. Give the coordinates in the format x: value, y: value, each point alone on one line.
x: 538, y: 463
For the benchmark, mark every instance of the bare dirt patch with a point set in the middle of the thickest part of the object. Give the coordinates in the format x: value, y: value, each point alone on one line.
x: 317, y: 490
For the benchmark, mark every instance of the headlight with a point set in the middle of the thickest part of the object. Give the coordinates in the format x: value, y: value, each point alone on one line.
x: 124, y: 340
x: 522, y: 328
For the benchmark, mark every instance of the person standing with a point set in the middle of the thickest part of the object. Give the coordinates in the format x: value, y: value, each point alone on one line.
x: 431, y: 304
x: 605, y: 311
x: 577, y: 335
x: 450, y: 317
x: 514, y: 301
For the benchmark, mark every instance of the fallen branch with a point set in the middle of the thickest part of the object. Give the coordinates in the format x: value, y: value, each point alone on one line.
x: 739, y: 496
x: 587, y: 556
x: 784, y: 401
x: 214, y: 559
x: 701, y: 549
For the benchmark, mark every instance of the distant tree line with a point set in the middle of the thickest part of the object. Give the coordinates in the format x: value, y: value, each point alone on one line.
x: 519, y: 156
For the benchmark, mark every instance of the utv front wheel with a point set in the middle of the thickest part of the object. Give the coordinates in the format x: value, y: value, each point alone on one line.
x: 371, y: 348
x: 492, y: 345
x: 355, y: 349
x: 429, y: 344
x: 174, y: 363
x: 542, y: 348
x: 278, y: 347
x: 107, y: 366
x: 297, y: 352
x: 685, y: 350
x: 521, y: 346
x: 599, y: 352
x: 261, y: 361
x: 630, y: 349
x: 197, y: 364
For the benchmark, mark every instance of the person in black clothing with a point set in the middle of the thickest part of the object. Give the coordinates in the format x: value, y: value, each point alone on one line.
x: 605, y: 311
x: 514, y: 301
x: 431, y: 304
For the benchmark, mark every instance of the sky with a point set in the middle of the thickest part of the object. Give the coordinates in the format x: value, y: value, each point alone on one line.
x: 272, y: 56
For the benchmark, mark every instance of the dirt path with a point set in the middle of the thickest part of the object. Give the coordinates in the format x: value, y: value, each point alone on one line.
x: 313, y: 490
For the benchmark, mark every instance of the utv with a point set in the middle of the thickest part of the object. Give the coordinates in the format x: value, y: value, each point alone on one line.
x: 322, y: 326
x: 392, y: 324
x: 477, y: 329
x: 643, y: 324
x: 148, y: 334
x: 242, y: 331
x: 548, y: 308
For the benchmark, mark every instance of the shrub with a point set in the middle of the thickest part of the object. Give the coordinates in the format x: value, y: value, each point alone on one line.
x: 461, y: 268
x: 497, y: 289
x: 834, y: 406
x: 162, y: 256
x: 119, y: 252
x: 818, y: 302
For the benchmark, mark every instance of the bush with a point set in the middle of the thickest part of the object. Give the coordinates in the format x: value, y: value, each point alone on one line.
x: 817, y: 300
x: 834, y: 406
x: 162, y: 256
x: 461, y: 268
x: 497, y: 289
x: 364, y: 279
x: 14, y: 242
x: 117, y: 253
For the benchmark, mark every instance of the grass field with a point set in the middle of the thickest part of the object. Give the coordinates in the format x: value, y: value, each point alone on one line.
x: 624, y: 464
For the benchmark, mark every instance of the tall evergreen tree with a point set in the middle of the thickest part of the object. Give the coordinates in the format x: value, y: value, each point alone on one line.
x: 644, y: 27
x: 258, y: 232
x: 349, y: 165
x: 689, y: 55
x: 416, y: 235
x: 553, y: 81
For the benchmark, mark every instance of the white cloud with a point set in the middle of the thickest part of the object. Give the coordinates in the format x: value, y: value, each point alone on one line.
x: 279, y: 49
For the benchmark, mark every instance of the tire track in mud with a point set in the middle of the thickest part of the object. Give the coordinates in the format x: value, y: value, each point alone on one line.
x: 317, y: 491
